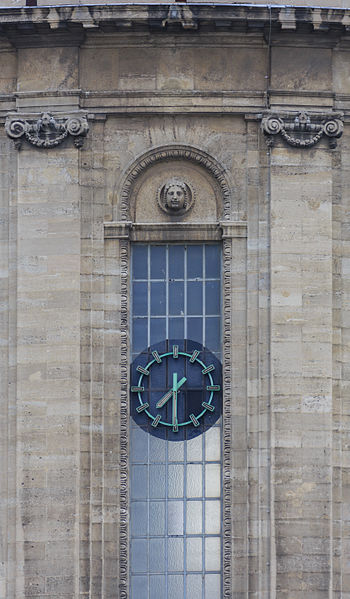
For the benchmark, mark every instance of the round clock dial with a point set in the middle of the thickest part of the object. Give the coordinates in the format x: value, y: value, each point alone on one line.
x: 176, y: 389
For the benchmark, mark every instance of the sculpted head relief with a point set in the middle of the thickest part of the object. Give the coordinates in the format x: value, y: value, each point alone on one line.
x: 175, y: 197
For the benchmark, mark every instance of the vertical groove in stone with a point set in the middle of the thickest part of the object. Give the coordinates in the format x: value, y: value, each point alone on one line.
x: 8, y: 290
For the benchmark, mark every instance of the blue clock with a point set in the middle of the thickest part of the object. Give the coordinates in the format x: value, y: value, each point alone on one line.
x: 175, y: 388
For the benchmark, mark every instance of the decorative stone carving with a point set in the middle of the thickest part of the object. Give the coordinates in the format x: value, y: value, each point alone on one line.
x: 303, y: 130
x: 182, y: 15
x: 175, y: 197
x: 175, y: 152
x: 46, y: 131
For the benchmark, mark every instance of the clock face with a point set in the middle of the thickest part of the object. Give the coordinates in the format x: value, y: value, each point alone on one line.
x: 176, y: 389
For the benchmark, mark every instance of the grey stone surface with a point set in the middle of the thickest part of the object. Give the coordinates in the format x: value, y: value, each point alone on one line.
x: 175, y: 99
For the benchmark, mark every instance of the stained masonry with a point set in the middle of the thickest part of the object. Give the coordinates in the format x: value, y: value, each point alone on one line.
x: 99, y: 107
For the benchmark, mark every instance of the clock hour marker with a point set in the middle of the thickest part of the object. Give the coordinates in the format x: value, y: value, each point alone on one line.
x: 194, y: 420
x: 137, y: 389
x: 208, y: 369
x: 142, y: 408
x: 213, y: 387
x: 208, y: 406
x: 143, y: 370
x: 194, y: 355
x: 175, y: 351
x: 156, y: 421
x: 175, y: 428
x: 156, y: 356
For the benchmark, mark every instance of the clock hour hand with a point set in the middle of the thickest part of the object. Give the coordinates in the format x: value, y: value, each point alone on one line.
x: 164, y: 399
x: 169, y: 394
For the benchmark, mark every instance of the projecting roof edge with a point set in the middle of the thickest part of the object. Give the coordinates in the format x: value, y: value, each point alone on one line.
x: 186, y: 16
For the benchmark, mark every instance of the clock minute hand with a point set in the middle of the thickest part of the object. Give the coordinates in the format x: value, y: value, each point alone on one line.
x: 169, y: 394
x: 175, y: 424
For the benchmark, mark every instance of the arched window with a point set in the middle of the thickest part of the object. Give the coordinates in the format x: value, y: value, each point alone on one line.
x: 176, y: 404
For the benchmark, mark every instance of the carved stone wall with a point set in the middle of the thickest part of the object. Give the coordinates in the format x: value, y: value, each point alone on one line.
x: 105, y: 112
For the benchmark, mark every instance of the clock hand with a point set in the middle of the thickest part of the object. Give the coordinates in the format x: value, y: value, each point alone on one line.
x: 169, y: 394
x: 175, y: 389
x: 164, y: 399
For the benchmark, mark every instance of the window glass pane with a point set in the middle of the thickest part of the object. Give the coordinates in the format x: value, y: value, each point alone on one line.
x: 212, y: 586
x: 156, y: 518
x: 195, y: 329
x: 176, y: 328
x: 213, y: 444
x: 157, y: 481
x: 157, y: 587
x: 139, y: 333
x: 158, y: 332
x: 194, y: 261
x: 194, y: 480
x: 176, y: 452
x: 175, y: 586
x: 175, y: 518
x: 212, y: 517
x: 194, y: 297
x: 194, y: 450
x: 139, y: 482
x: 212, y: 333
x: 212, y: 480
x: 212, y: 297
x: 139, y: 587
x: 158, y: 261
x: 156, y: 449
x: 139, y: 552
x: 212, y: 261
x: 157, y: 298
x: 194, y: 586
x: 176, y: 555
x: 140, y: 261
x: 176, y: 261
x: 139, y: 519
x: 194, y: 517
x: 139, y: 441
x: 175, y: 480
x: 194, y: 554
x: 157, y: 555
x: 139, y: 298
x: 212, y: 553
x: 176, y: 298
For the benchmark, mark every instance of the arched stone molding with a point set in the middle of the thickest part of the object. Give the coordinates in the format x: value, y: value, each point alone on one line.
x: 169, y: 153
x: 124, y: 230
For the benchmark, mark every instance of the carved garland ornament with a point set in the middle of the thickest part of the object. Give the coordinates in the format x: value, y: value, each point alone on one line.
x: 303, y: 130
x: 175, y: 152
x: 46, y: 131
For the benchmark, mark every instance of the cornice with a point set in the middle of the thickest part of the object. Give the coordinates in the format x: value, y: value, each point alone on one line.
x: 101, y: 104
x: 62, y: 25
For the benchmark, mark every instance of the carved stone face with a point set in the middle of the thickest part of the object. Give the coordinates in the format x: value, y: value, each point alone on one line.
x: 175, y: 197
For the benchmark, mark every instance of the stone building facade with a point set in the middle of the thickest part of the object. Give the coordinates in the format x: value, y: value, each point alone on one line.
x: 246, y: 110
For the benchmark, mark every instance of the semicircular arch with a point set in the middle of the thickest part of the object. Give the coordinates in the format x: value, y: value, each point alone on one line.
x: 172, y: 152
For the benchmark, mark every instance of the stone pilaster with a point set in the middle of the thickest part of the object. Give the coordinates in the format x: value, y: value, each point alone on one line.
x: 48, y: 374
x: 301, y: 368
